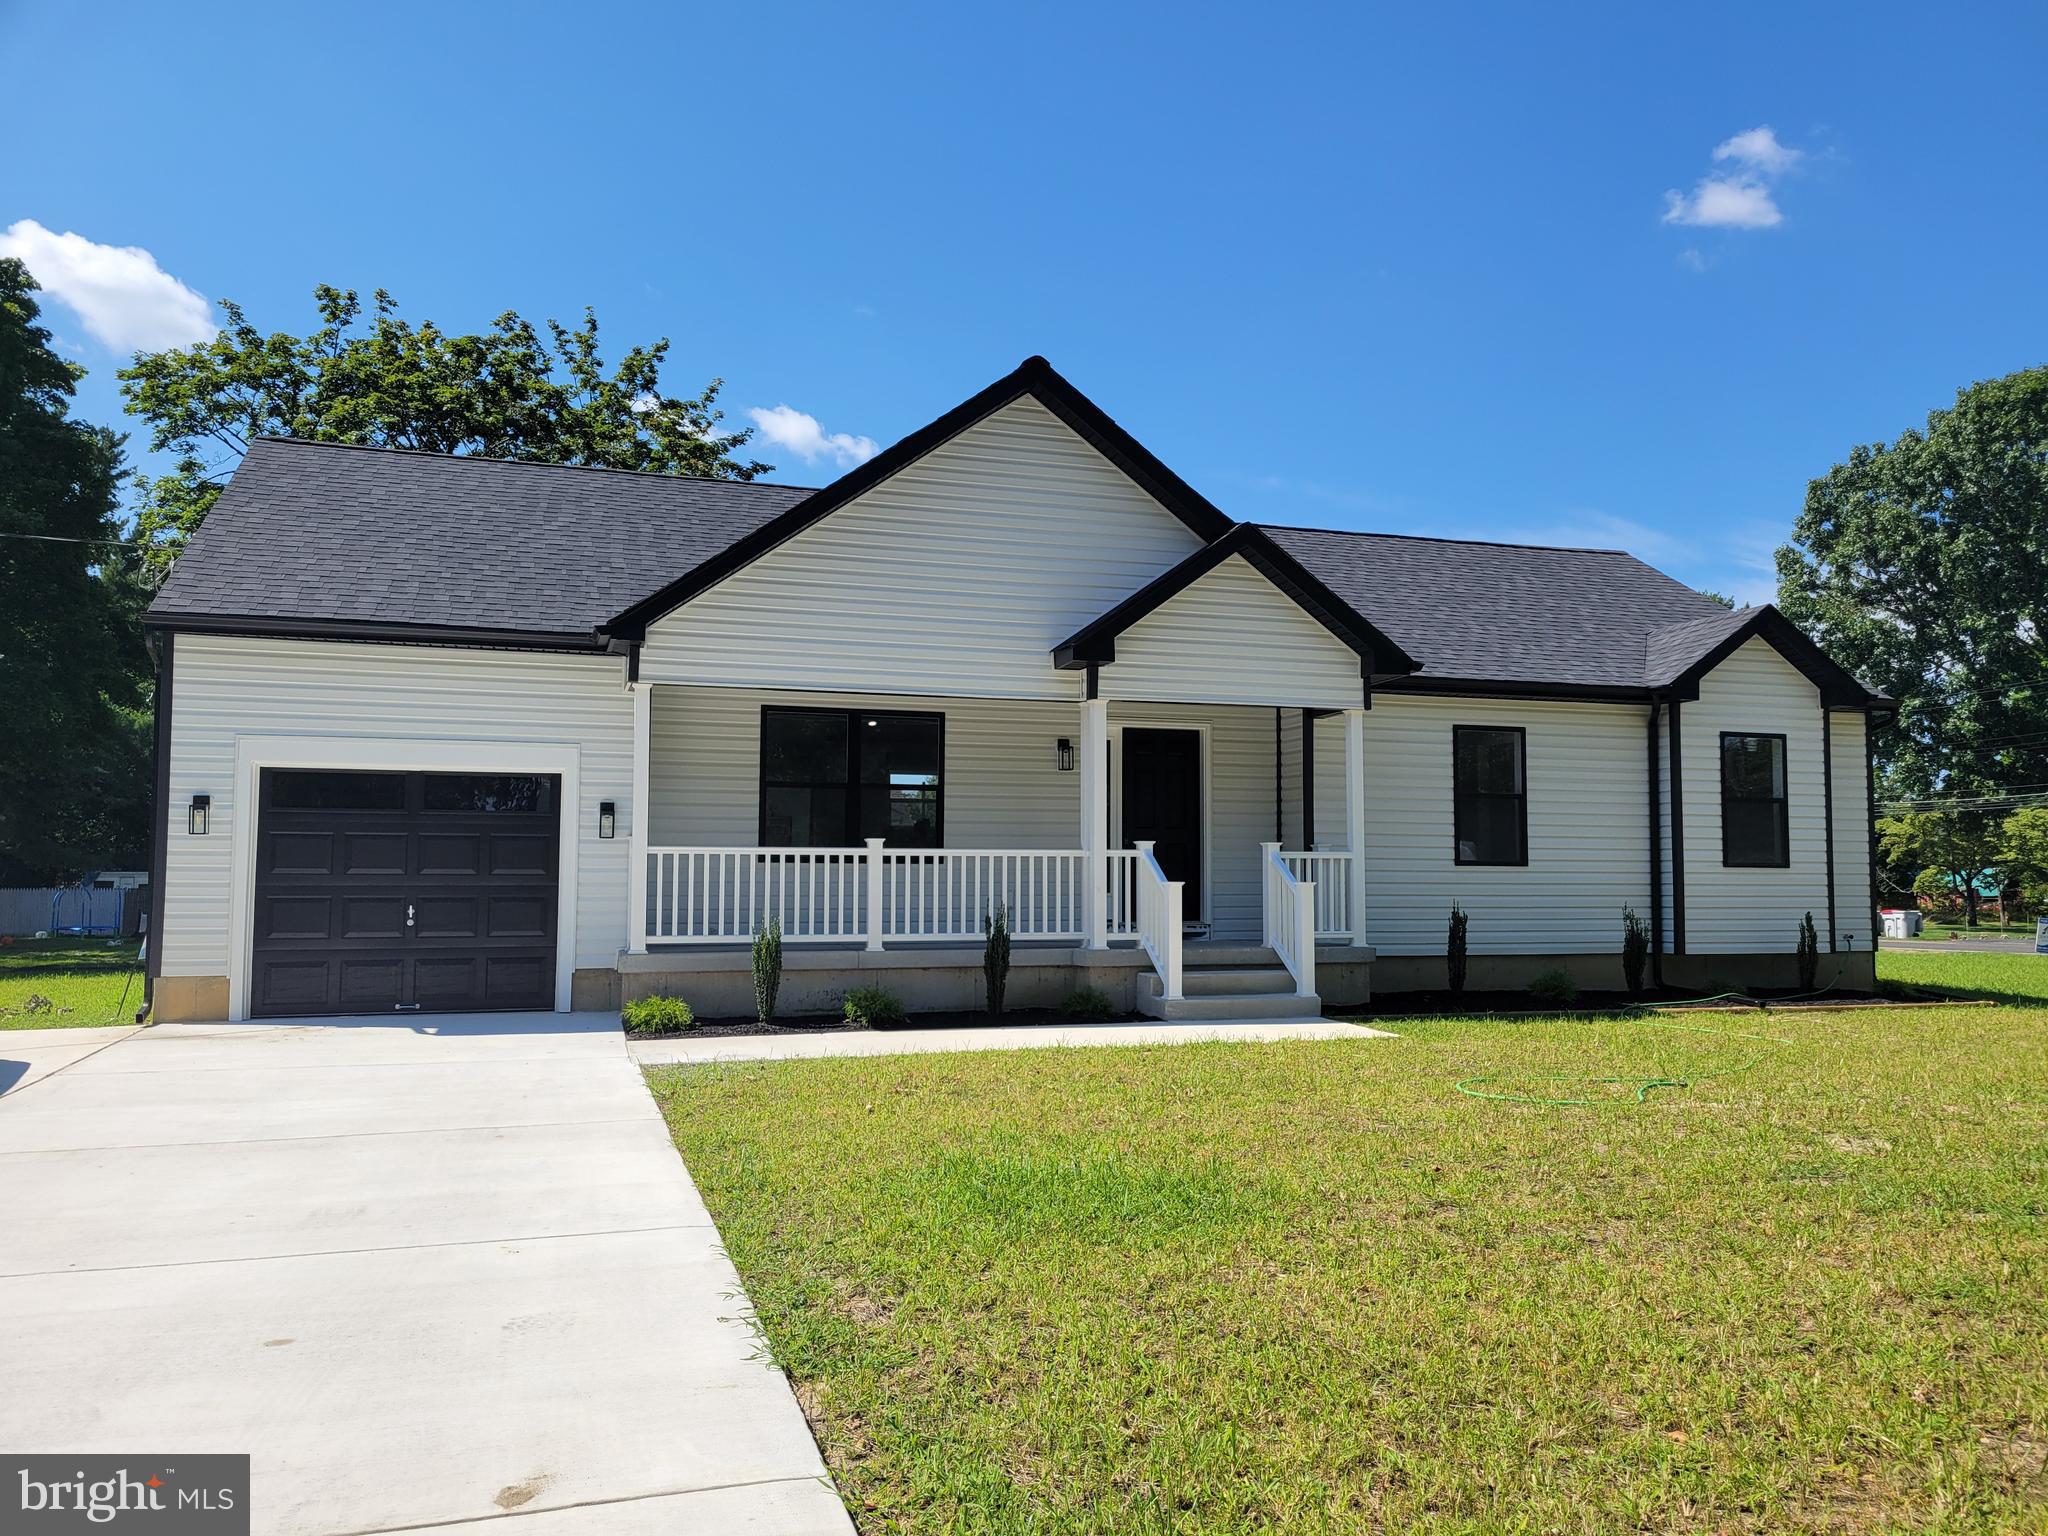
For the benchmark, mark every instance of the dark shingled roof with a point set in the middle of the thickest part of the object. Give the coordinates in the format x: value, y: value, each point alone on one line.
x: 325, y: 532
x: 1506, y: 613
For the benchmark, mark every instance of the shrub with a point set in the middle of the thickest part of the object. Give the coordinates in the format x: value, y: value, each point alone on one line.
x: 995, y: 956
x: 872, y: 1008
x: 1635, y: 949
x: 1454, y: 952
x: 1555, y: 987
x: 767, y: 968
x: 658, y: 1016
x: 1086, y: 1005
x: 1808, y: 954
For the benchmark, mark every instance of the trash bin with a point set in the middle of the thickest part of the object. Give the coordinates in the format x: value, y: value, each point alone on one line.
x: 1900, y: 923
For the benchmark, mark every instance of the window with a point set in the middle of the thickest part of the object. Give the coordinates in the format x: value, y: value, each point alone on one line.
x: 1492, y: 808
x: 1753, y: 826
x: 834, y: 778
x: 510, y: 792
x: 293, y: 789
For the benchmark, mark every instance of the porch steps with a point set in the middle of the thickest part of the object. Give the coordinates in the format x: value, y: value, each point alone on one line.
x: 1228, y: 981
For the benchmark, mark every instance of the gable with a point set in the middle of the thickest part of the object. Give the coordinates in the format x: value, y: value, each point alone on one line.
x: 956, y: 574
x: 1233, y: 637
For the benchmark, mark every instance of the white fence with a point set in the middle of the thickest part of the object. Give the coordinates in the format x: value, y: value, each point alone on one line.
x: 1290, y: 919
x: 1158, y: 908
x: 1330, y: 874
x: 874, y: 894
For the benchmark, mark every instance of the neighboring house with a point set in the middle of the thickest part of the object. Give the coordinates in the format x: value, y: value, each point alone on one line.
x: 444, y: 732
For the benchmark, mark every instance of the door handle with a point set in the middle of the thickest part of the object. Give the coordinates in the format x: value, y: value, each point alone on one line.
x: 408, y: 914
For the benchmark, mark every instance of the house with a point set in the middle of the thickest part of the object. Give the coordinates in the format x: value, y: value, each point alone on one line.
x: 454, y: 733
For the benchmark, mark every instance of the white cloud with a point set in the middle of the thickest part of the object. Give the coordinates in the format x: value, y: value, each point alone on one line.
x: 1759, y: 149
x: 1741, y: 197
x: 123, y: 298
x: 799, y: 432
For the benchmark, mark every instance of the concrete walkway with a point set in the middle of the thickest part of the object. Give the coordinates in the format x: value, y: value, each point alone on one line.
x: 425, y: 1272
x: 907, y: 1042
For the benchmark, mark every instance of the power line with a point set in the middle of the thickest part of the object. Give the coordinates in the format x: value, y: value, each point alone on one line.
x: 58, y: 538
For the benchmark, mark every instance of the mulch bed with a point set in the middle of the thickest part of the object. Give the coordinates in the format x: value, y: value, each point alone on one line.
x: 827, y: 1024
x: 1398, y: 1005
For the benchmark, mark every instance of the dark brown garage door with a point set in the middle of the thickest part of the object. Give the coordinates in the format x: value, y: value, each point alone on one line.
x: 400, y: 891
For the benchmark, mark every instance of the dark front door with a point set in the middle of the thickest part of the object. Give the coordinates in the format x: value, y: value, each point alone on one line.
x: 401, y: 891
x: 1162, y: 775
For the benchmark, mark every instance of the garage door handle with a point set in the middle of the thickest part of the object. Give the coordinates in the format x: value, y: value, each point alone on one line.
x: 408, y: 914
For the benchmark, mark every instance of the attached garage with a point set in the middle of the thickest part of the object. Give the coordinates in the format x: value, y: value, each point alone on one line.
x: 378, y: 892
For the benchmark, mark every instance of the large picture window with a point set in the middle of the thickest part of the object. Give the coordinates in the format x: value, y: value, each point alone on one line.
x: 1492, y: 804
x: 1754, y: 833
x: 833, y: 778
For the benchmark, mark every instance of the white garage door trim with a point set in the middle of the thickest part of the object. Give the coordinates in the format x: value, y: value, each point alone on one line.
x: 255, y: 753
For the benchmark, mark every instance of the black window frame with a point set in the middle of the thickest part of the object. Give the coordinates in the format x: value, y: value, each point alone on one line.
x: 1521, y: 797
x: 854, y: 719
x: 1783, y: 800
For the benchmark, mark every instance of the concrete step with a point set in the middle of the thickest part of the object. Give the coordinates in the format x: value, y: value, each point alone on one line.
x: 1243, y: 1005
x: 1221, y: 952
x: 1231, y: 981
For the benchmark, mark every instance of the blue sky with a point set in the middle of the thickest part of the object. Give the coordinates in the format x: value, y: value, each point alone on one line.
x: 1472, y: 271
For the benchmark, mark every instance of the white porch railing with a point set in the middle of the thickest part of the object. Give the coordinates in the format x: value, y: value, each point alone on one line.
x: 1290, y: 919
x: 874, y: 895
x: 1330, y: 874
x: 1158, y: 908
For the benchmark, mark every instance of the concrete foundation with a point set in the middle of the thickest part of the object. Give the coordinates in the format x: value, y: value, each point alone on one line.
x: 1602, y: 973
x: 186, y: 999
x: 594, y: 990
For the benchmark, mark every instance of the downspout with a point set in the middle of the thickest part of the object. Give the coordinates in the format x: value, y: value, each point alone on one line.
x: 1656, y: 844
x: 1827, y: 799
x: 1279, y: 778
x: 160, y: 818
x: 1870, y: 817
x: 1308, y: 781
x: 1677, y: 835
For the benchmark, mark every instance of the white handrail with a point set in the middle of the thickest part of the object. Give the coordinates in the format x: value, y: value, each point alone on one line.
x: 1158, y: 908
x: 1290, y: 920
x: 723, y: 895
x: 1330, y: 873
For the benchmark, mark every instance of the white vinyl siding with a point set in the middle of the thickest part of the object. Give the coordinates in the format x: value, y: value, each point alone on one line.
x: 956, y: 576
x: 1589, y: 837
x: 1746, y: 910
x: 224, y: 688
x: 1002, y: 784
x: 1232, y: 637
x: 1852, y: 832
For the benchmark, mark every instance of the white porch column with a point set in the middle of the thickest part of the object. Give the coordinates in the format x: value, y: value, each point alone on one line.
x: 1354, y: 818
x: 1095, y: 822
x: 636, y: 858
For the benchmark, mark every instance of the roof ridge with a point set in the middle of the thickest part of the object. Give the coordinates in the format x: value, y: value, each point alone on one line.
x: 1437, y: 538
x: 487, y: 458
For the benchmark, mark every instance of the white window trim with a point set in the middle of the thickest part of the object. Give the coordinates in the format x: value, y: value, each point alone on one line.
x: 255, y: 753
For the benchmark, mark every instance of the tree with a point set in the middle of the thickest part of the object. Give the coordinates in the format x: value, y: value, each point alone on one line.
x: 1965, y: 848
x: 74, y: 758
x: 505, y: 393
x: 1923, y: 566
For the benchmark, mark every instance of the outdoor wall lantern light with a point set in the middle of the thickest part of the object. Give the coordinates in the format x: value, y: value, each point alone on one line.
x: 607, y: 818
x: 196, y: 818
x: 1066, y: 754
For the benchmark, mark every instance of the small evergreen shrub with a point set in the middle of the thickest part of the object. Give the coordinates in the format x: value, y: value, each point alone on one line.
x: 767, y: 969
x: 1808, y: 954
x: 1635, y: 949
x: 995, y: 956
x: 1086, y: 1005
x: 873, y: 1008
x: 1454, y: 952
x: 1556, y: 988
x: 658, y: 1016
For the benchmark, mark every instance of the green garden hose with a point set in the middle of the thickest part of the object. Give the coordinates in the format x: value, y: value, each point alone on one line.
x: 1471, y: 1086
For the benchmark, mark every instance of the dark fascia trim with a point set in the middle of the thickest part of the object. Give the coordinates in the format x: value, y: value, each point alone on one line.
x: 1095, y: 643
x: 1838, y: 687
x: 1035, y: 377
x: 1484, y: 688
x: 479, y: 637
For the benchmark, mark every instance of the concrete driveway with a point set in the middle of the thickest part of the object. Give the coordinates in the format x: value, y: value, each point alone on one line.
x: 425, y: 1272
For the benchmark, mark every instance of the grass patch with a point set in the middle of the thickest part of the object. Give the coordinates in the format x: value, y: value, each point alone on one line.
x: 83, y: 978
x: 2010, y: 978
x: 1308, y: 1286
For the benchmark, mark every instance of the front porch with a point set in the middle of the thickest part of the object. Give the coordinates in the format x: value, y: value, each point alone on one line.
x: 1030, y: 806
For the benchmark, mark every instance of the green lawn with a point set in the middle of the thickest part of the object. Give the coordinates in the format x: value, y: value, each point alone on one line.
x: 1312, y: 1287
x: 2012, y: 978
x: 83, y: 979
